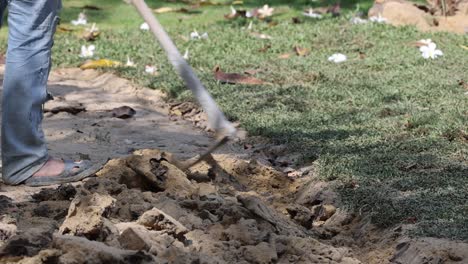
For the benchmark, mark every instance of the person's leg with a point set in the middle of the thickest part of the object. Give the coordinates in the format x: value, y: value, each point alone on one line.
x: 31, y: 27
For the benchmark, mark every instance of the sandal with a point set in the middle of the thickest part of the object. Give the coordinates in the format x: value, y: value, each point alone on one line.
x: 83, y: 169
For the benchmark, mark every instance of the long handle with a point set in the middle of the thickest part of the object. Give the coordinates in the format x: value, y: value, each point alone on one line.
x: 216, y: 119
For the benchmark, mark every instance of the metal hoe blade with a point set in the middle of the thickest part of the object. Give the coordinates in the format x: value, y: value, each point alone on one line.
x: 216, y: 119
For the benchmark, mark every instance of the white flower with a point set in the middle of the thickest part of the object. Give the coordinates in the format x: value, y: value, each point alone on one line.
x: 378, y: 19
x: 233, y: 11
x: 425, y: 42
x: 195, y: 36
x: 337, y: 58
x: 150, y: 69
x: 430, y: 51
x: 186, y: 54
x: 248, y: 14
x: 265, y: 11
x: 93, y: 28
x: 144, y: 26
x: 130, y: 63
x: 312, y: 14
x: 250, y: 26
x: 87, y: 52
x: 81, y: 20
x: 358, y: 20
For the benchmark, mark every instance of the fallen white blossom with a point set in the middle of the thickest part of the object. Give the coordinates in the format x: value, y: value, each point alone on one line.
x: 337, y: 58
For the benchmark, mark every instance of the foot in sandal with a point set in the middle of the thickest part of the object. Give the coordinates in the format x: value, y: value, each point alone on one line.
x: 57, y: 171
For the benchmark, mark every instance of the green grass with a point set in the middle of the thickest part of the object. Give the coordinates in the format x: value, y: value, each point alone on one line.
x: 392, y: 127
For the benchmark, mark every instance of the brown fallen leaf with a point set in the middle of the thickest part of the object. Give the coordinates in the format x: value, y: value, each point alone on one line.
x: 285, y: 56
x: 91, y: 35
x: 362, y: 55
x: 265, y: 48
x: 273, y: 23
x: 301, y: 51
x: 123, y: 112
x: 234, y: 78
x: 62, y: 29
x: 252, y: 71
x: 463, y: 83
x: 162, y: 10
x: 296, y: 20
x: 91, y: 7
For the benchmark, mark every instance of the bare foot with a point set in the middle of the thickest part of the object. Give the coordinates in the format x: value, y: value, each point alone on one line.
x: 53, y: 167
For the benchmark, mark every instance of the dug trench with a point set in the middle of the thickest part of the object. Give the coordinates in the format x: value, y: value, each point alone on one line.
x: 238, y: 207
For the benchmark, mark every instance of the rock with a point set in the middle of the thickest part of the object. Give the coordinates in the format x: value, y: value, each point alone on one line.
x: 316, y: 193
x: 301, y: 214
x: 45, y: 256
x: 339, y: 219
x: 262, y: 253
x: 86, y: 217
x: 326, y: 211
x: 79, y: 250
x: 157, y: 220
x: 310, y: 251
x: 64, y: 192
x: 256, y: 206
x: 206, y: 190
x: 7, y: 228
x: 28, y: 242
x: 135, y: 238
x: 245, y: 231
x: 123, y: 112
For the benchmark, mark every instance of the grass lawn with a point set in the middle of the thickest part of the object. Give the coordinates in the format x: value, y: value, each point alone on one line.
x: 391, y: 126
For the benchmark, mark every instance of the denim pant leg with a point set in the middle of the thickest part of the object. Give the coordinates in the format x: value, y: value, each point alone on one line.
x: 30, y: 38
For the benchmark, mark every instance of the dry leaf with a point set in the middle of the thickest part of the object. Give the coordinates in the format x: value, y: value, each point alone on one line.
x: 91, y: 35
x: 285, y: 56
x: 234, y: 78
x: 464, y: 47
x: 265, y: 48
x: 301, y: 51
x: 123, y: 112
x: 91, y: 7
x: 162, y: 10
x: 463, y: 84
x: 252, y: 71
x: 273, y: 23
x: 62, y: 28
x: 296, y: 20
x: 102, y: 63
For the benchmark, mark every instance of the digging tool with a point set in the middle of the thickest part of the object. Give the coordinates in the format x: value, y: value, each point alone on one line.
x: 216, y: 119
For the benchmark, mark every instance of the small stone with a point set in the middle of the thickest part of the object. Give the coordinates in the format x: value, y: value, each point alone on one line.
x: 326, y: 212
x: 157, y: 220
x: 261, y: 253
x: 134, y: 239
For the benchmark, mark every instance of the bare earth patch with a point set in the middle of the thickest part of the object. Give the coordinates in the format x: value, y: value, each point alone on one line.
x: 142, y: 209
x: 402, y: 13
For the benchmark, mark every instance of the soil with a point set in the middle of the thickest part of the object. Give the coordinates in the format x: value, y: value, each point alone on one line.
x: 424, y: 17
x: 250, y: 203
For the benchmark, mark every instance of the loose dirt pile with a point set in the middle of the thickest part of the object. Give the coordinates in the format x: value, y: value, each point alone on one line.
x: 142, y: 209
x: 424, y: 17
x: 249, y: 204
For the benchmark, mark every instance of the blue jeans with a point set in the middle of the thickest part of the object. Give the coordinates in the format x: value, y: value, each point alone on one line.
x: 32, y: 25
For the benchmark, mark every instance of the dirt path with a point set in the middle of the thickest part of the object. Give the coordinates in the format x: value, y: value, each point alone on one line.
x: 237, y: 208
